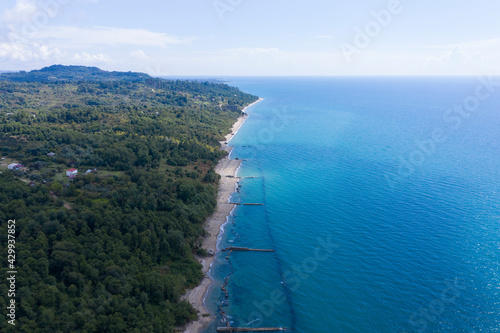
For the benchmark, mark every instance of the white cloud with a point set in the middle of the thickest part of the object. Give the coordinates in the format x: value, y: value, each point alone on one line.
x: 27, y: 36
x: 34, y: 51
x: 140, y: 54
x: 12, y: 51
x: 21, y: 12
x: 145, y: 50
x: 87, y: 58
x: 26, y: 41
x: 109, y: 36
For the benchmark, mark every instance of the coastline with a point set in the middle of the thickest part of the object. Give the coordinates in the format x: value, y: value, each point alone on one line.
x: 226, y: 167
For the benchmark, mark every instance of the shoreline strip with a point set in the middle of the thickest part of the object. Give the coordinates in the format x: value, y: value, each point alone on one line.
x: 226, y: 167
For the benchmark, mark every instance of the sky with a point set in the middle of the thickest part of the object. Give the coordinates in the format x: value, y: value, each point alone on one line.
x: 254, y: 37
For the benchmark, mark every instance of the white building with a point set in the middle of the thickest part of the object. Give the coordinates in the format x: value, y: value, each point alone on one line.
x: 71, y: 172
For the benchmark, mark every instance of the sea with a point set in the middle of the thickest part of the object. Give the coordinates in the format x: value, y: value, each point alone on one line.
x: 380, y: 197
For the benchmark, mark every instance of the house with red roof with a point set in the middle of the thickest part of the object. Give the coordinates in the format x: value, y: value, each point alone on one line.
x: 71, y: 172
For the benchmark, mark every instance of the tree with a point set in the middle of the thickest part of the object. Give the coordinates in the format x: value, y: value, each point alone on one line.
x: 56, y: 188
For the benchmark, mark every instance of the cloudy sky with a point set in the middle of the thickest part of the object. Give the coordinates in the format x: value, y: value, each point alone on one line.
x: 254, y: 37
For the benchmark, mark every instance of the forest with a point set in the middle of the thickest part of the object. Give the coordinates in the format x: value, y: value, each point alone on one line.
x: 113, y: 182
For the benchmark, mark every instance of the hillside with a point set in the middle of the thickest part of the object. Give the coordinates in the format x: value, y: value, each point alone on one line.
x: 72, y: 74
x: 112, y: 248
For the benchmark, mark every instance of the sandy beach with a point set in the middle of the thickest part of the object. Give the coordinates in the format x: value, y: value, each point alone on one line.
x: 226, y: 167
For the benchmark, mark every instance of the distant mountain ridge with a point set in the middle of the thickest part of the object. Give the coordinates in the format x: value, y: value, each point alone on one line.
x: 72, y: 74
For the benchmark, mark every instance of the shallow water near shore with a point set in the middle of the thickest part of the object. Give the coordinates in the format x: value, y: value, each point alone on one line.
x: 381, y: 202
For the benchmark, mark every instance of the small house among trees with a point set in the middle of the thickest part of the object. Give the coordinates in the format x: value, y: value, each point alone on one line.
x: 14, y: 166
x: 71, y: 172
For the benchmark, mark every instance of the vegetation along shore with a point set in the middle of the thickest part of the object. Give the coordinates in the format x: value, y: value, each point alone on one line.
x: 115, y: 177
x: 226, y: 169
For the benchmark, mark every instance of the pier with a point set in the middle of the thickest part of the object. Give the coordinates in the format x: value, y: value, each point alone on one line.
x: 223, y: 288
x: 248, y: 204
x: 232, y: 248
x: 248, y: 329
x: 251, y: 177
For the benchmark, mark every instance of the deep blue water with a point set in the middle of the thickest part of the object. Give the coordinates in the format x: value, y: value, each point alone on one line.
x: 382, y: 201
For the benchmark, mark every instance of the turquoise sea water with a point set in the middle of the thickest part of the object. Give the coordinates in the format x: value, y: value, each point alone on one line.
x: 382, y: 201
